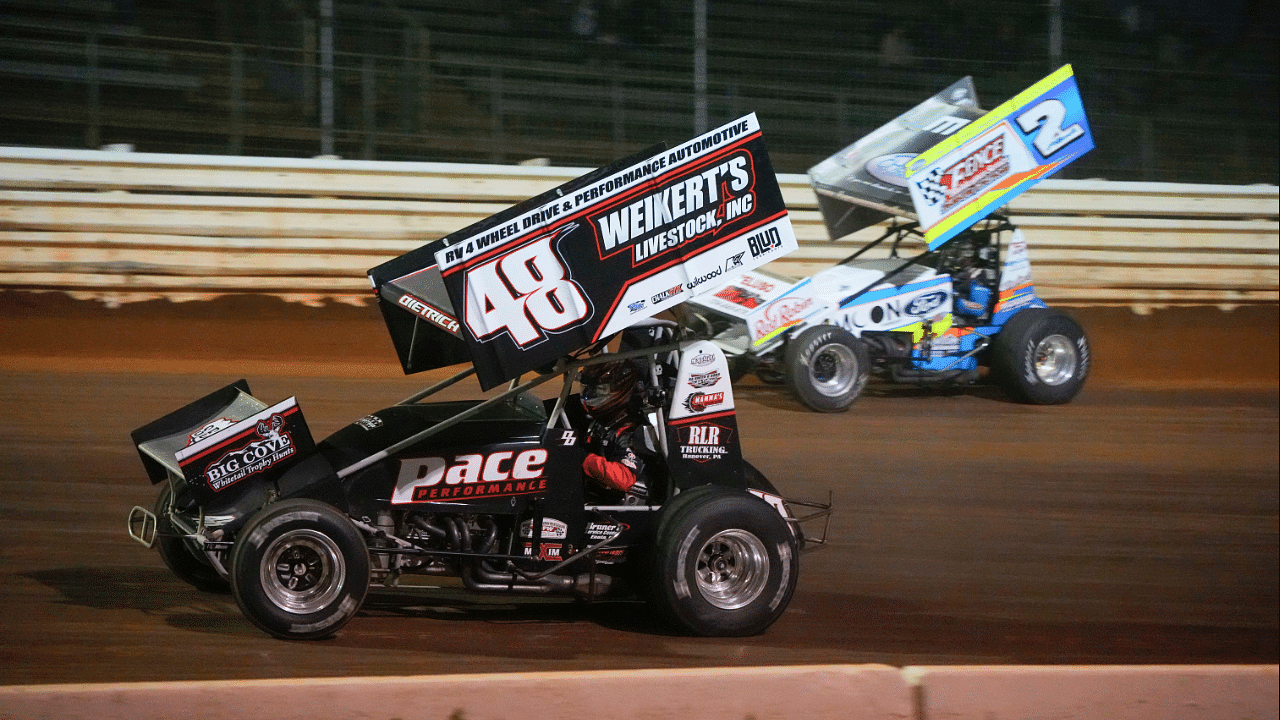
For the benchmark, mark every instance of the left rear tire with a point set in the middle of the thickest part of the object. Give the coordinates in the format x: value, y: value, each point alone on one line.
x: 179, y: 557
x: 300, y: 569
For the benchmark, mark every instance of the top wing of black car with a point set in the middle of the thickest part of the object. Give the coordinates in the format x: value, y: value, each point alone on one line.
x: 559, y: 272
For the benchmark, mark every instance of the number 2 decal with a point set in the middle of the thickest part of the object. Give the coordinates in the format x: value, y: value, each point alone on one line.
x: 1045, y: 119
x: 525, y: 292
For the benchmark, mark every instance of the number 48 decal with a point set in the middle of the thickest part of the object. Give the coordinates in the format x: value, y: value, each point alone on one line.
x: 525, y: 293
x: 1045, y: 119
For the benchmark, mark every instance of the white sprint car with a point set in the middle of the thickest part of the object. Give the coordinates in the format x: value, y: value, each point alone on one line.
x: 953, y: 293
x: 936, y: 318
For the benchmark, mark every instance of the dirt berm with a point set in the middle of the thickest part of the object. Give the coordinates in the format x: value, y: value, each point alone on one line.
x: 1178, y: 347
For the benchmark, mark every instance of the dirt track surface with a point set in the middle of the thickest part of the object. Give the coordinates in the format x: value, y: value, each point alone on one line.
x: 1136, y: 525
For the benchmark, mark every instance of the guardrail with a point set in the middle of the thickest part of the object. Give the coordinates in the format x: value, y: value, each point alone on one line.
x: 120, y: 227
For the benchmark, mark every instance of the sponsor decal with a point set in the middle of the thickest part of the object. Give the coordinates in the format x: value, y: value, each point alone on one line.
x: 890, y: 168
x: 546, y: 551
x: 431, y: 314
x: 209, y: 430
x: 739, y: 296
x: 757, y: 283
x: 781, y: 314
x: 928, y: 298
x: 370, y: 422
x: 700, y: 401
x: 680, y: 211
x: 471, y: 475
x: 765, y: 242
x: 525, y: 294
x: 636, y: 306
x: 706, y: 379
x: 610, y: 556
x: 274, y: 444
x: 734, y: 262
x: 943, y: 345
x: 704, y: 278
x: 702, y: 359
x: 630, y: 460
x: 954, y: 185
x: 552, y: 529
x: 703, y: 443
x: 669, y: 292
x: 923, y: 304
x: 597, y: 531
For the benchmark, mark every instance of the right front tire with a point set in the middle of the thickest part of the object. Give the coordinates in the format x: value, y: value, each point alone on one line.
x: 726, y: 564
x: 300, y: 569
x: 827, y: 368
x: 1041, y: 356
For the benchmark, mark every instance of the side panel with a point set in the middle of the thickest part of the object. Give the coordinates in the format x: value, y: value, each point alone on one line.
x: 1017, y: 291
x: 702, y: 431
x: 905, y: 308
x: 471, y: 475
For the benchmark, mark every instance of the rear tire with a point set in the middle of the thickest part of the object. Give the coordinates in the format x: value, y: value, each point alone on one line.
x: 827, y: 368
x: 726, y: 564
x: 179, y: 557
x: 1041, y: 356
x: 300, y: 569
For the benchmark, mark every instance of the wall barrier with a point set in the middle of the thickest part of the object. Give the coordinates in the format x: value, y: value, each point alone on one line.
x: 830, y: 692
x: 121, y: 227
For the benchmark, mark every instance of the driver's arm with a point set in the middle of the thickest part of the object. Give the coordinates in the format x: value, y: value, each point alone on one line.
x: 616, y: 465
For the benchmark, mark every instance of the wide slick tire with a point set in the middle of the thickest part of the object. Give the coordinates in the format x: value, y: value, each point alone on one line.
x: 827, y: 368
x: 300, y: 569
x: 179, y: 557
x: 725, y: 563
x: 1041, y: 356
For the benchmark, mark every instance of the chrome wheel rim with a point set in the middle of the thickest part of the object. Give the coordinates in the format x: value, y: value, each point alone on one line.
x: 1055, y: 359
x: 732, y: 569
x: 833, y: 370
x: 303, y: 571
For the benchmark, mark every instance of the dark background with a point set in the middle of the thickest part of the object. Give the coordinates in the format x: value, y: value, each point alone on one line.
x: 1180, y: 91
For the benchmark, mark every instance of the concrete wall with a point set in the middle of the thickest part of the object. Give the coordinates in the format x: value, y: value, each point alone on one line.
x: 836, y: 692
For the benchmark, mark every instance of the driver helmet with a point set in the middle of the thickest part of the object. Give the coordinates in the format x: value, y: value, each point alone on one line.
x: 607, y: 388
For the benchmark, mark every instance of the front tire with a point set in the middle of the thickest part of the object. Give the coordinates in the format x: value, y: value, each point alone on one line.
x: 726, y: 564
x: 300, y: 569
x: 178, y: 556
x: 1041, y: 357
x: 827, y: 368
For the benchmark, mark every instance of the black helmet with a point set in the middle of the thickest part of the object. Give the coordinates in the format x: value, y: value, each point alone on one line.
x: 607, y: 388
